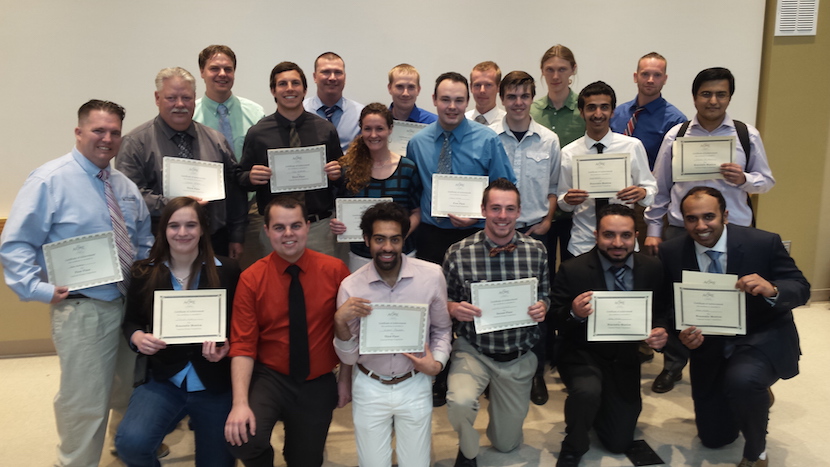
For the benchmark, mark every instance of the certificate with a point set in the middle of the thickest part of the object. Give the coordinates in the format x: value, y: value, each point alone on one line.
x: 394, y: 328
x: 190, y: 316
x: 708, y: 278
x: 188, y: 177
x: 700, y: 157
x: 402, y: 132
x: 350, y: 211
x: 503, y: 304
x: 719, y: 310
x: 84, y: 261
x: 620, y: 316
x: 298, y: 169
x: 602, y: 175
x: 459, y: 195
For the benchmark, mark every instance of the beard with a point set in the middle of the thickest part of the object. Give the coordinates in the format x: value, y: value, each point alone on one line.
x: 615, y: 261
x: 384, y: 266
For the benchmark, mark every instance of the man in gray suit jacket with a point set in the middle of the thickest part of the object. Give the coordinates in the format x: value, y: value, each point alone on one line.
x: 731, y: 375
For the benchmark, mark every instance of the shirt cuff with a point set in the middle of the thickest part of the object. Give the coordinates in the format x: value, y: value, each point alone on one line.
x: 346, y: 346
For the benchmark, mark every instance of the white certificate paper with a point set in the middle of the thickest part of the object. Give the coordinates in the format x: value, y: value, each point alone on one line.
x: 714, y: 309
x: 620, y: 316
x: 459, y: 195
x: 188, y: 177
x: 601, y: 175
x: 394, y: 328
x: 298, y: 169
x: 402, y: 132
x: 350, y: 211
x: 700, y: 157
x: 84, y: 261
x: 190, y: 316
x: 503, y: 304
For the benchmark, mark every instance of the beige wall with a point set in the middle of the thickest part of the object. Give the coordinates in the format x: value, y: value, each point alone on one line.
x: 794, y: 120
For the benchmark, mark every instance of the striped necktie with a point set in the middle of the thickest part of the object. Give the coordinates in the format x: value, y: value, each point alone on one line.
x: 445, y: 158
x: 619, y: 277
x: 632, y: 122
x: 225, y: 124
x: 480, y: 119
x: 329, y: 111
x: 119, y: 228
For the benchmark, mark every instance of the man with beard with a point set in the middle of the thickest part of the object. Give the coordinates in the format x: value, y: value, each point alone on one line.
x: 603, y: 378
x: 393, y: 388
x: 596, y: 106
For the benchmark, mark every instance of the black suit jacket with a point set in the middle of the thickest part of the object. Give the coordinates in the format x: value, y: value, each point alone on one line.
x: 585, y: 273
x: 770, y: 328
x: 167, y: 362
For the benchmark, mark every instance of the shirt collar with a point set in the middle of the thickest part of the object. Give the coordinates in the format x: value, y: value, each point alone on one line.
x: 458, y: 132
x: 727, y: 122
x: 285, y: 123
x: 170, y: 133
x: 605, y: 140
x: 86, y: 164
x: 405, y: 272
x: 282, y: 264
x: 719, y: 246
x: 212, y: 106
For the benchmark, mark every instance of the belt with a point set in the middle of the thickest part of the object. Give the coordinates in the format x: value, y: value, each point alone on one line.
x: 504, y: 357
x: 318, y: 217
x: 390, y: 381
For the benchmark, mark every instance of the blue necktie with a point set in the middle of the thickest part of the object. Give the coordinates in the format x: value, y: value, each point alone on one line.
x: 329, y: 111
x: 714, y: 266
x: 225, y: 124
x: 445, y: 158
x: 619, y: 277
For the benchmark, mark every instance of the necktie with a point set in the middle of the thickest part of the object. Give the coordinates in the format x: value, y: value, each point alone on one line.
x: 183, y: 143
x: 297, y: 327
x: 480, y: 119
x: 506, y: 248
x: 329, y: 111
x: 445, y: 158
x: 225, y: 124
x: 599, y: 203
x: 619, y: 277
x: 629, y: 127
x: 119, y: 228
x: 714, y: 265
x: 293, y: 137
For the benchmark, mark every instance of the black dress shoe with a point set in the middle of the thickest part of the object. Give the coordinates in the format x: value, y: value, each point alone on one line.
x: 664, y: 382
x: 461, y: 461
x: 539, y: 390
x: 439, y: 394
x: 568, y: 459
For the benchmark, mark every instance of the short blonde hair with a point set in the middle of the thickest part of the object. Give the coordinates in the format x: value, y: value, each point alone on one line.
x: 404, y: 69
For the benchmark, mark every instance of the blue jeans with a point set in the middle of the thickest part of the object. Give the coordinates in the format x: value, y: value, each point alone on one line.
x: 155, y: 409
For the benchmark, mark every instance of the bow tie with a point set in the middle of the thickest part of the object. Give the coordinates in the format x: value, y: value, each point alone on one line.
x: 508, y: 248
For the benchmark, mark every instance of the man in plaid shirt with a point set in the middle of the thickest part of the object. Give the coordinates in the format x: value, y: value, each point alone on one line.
x: 501, y: 359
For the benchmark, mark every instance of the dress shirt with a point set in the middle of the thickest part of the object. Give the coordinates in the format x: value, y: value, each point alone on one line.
x: 345, y: 119
x: 419, y: 282
x: 536, y: 164
x: 242, y: 114
x: 669, y: 193
x: 61, y: 199
x: 259, y: 326
x: 703, y: 260
x: 418, y: 115
x: 469, y: 261
x: 610, y: 280
x: 272, y: 133
x: 585, y: 218
x: 476, y: 150
x: 653, y: 122
x: 403, y: 186
x: 141, y: 159
x: 493, y: 115
x: 565, y: 121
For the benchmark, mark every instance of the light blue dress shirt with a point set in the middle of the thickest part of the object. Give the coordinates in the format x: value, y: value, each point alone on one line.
x: 345, y: 118
x: 242, y: 114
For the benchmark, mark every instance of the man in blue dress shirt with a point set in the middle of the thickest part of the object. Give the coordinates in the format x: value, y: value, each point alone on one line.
x: 404, y: 87
x: 66, y: 198
x: 330, y: 77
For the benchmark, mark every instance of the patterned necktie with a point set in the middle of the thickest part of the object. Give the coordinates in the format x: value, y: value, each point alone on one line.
x: 293, y: 137
x: 445, y: 158
x: 119, y: 228
x: 619, y: 277
x: 480, y: 119
x: 225, y: 124
x: 298, y: 359
x: 629, y: 128
x: 506, y: 248
x: 599, y: 203
x: 183, y: 143
x: 329, y: 111
x: 714, y: 265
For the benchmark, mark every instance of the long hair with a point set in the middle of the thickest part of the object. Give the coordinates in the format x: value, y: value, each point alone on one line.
x: 160, y: 252
x: 357, y: 162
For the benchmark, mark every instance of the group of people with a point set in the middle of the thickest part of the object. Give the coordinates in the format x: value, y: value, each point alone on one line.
x: 296, y: 303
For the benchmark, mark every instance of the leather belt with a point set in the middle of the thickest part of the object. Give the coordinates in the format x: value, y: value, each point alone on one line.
x: 504, y: 357
x: 390, y: 381
x: 318, y: 217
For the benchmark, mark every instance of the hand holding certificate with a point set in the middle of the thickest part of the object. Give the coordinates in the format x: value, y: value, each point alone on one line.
x: 84, y: 261
x: 503, y: 304
x: 601, y: 175
x: 700, y: 157
x: 298, y: 169
x: 619, y: 316
x: 190, y: 316
x: 459, y: 195
x: 394, y: 328
x: 350, y: 211
x: 188, y: 177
